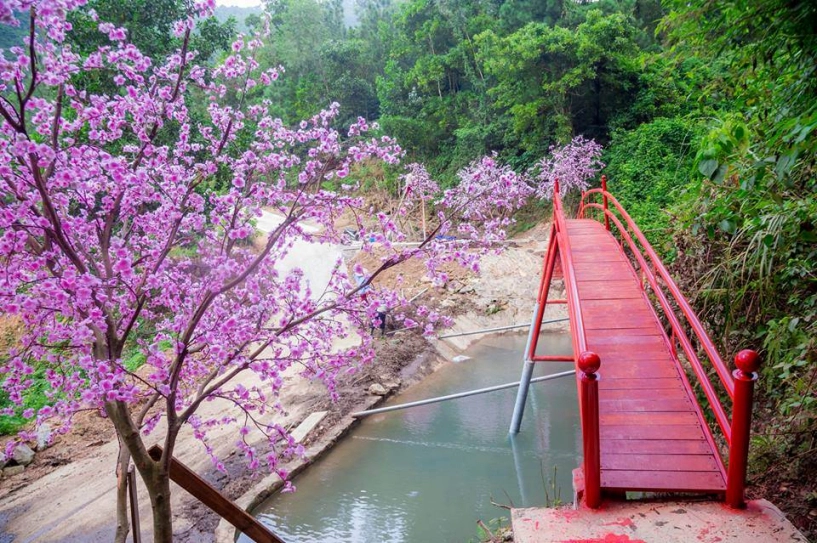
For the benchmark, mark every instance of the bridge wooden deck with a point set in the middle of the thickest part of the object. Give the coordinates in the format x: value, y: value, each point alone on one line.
x: 652, y: 432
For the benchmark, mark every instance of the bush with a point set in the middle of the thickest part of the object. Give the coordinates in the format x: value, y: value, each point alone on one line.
x: 646, y: 167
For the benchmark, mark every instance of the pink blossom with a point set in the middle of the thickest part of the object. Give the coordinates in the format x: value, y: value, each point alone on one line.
x: 138, y: 252
x: 573, y: 165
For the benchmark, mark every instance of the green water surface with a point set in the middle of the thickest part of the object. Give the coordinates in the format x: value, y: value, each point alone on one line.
x: 427, y: 474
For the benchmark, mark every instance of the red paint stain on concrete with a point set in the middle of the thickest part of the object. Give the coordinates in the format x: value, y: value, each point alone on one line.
x: 626, y: 522
x: 609, y: 538
x: 566, y: 514
x: 703, y: 535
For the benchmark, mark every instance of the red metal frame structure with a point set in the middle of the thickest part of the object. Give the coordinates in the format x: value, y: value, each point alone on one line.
x: 739, y: 385
x: 666, y: 296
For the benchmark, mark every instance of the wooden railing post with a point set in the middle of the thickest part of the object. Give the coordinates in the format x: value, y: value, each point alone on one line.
x: 604, y: 201
x: 747, y: 362
x: 589, y: 364
x: 134, y: 506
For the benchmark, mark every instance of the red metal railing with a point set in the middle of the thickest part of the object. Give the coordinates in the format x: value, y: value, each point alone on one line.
x: 738, y: 385
x: 588, y: 362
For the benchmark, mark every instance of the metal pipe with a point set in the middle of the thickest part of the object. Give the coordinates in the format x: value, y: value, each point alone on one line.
x: 553, y: 358
x: 499, y: 329
x: 524, y: 381
x: 459, y: 395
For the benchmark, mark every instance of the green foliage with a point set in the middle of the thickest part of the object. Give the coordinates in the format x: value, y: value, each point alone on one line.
x: 749, y: 215
x: 34, y: 398
x: 647, y: 168
x: 212, y: 36
x: 148, y: 22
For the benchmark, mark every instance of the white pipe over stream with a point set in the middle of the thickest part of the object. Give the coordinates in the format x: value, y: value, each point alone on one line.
x: 459, y: 395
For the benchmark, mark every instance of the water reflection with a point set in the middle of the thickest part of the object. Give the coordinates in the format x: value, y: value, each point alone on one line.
x: 428, y: 473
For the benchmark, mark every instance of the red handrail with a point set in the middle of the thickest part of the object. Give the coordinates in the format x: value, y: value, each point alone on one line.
x: 678, y: 331
x: 571, y: 289
x: 692, y: 318
x: 588, y: 362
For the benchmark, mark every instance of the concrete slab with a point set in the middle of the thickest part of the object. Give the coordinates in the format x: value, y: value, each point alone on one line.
x: 308, y: 425
x: 655, y: 522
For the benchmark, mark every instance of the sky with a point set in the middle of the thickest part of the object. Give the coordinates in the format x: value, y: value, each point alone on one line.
x: 240, y: 3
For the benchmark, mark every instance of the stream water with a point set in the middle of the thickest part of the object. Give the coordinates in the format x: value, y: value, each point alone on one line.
x: 427, y: 474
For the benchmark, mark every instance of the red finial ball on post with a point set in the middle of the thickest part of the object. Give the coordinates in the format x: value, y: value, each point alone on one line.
x: 556, y: 186
x: 747, y: 361
x: 589, y: 362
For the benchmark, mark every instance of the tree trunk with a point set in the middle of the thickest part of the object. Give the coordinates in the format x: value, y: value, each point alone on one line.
x: 159, y: 492
x: 122, y: 520
x: 154, y: 473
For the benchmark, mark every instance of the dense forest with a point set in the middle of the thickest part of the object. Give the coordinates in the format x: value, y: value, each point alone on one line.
x: 706, y: 111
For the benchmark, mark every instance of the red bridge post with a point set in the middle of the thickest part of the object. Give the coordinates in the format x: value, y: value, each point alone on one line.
x: 589, y: 364
x: 747, y: 362
x: 604, y: 201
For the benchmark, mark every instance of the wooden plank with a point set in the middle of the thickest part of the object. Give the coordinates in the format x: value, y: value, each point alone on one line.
x: 659, y: 462
x: 635, y: 395
x: 629, y: 320
x: 615, y: 272
x: 630, y: 354
x: 632, y: 342
x: 681, y: 481
x: 639, y: 431
x: 644, y: 418
x: 659, y: 385
x: 651, y: 446
x: 608, y: 290
x: 605, y: 256
x: 215, y: 500
x: 623, y: 370
x: 615, y: 305
x: 578, y: 229
x: 648, y: 406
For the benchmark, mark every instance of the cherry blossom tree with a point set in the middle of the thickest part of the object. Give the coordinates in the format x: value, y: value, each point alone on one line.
x: 573, y: 165
x: 112, y: 241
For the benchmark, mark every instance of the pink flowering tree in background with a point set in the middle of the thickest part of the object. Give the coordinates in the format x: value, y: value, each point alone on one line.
x: 574, y: 165
x: 111, y: 241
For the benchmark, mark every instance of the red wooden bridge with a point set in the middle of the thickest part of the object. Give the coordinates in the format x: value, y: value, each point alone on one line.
x: 643, y: 359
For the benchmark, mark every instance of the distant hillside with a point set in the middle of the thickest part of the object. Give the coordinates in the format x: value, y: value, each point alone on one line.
x: 222, y: 13
x: 14, y: 35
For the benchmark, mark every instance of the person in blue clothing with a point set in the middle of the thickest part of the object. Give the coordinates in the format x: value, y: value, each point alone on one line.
x: 360, y: 280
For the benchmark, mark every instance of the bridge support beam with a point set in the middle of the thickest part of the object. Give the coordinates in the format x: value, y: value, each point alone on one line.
x: 524, y: 381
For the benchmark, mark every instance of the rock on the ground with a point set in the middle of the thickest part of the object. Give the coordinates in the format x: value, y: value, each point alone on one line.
x: 23, y: 455
x: 43, y: 437
x: 13, y: 470
x: 378, y: 390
